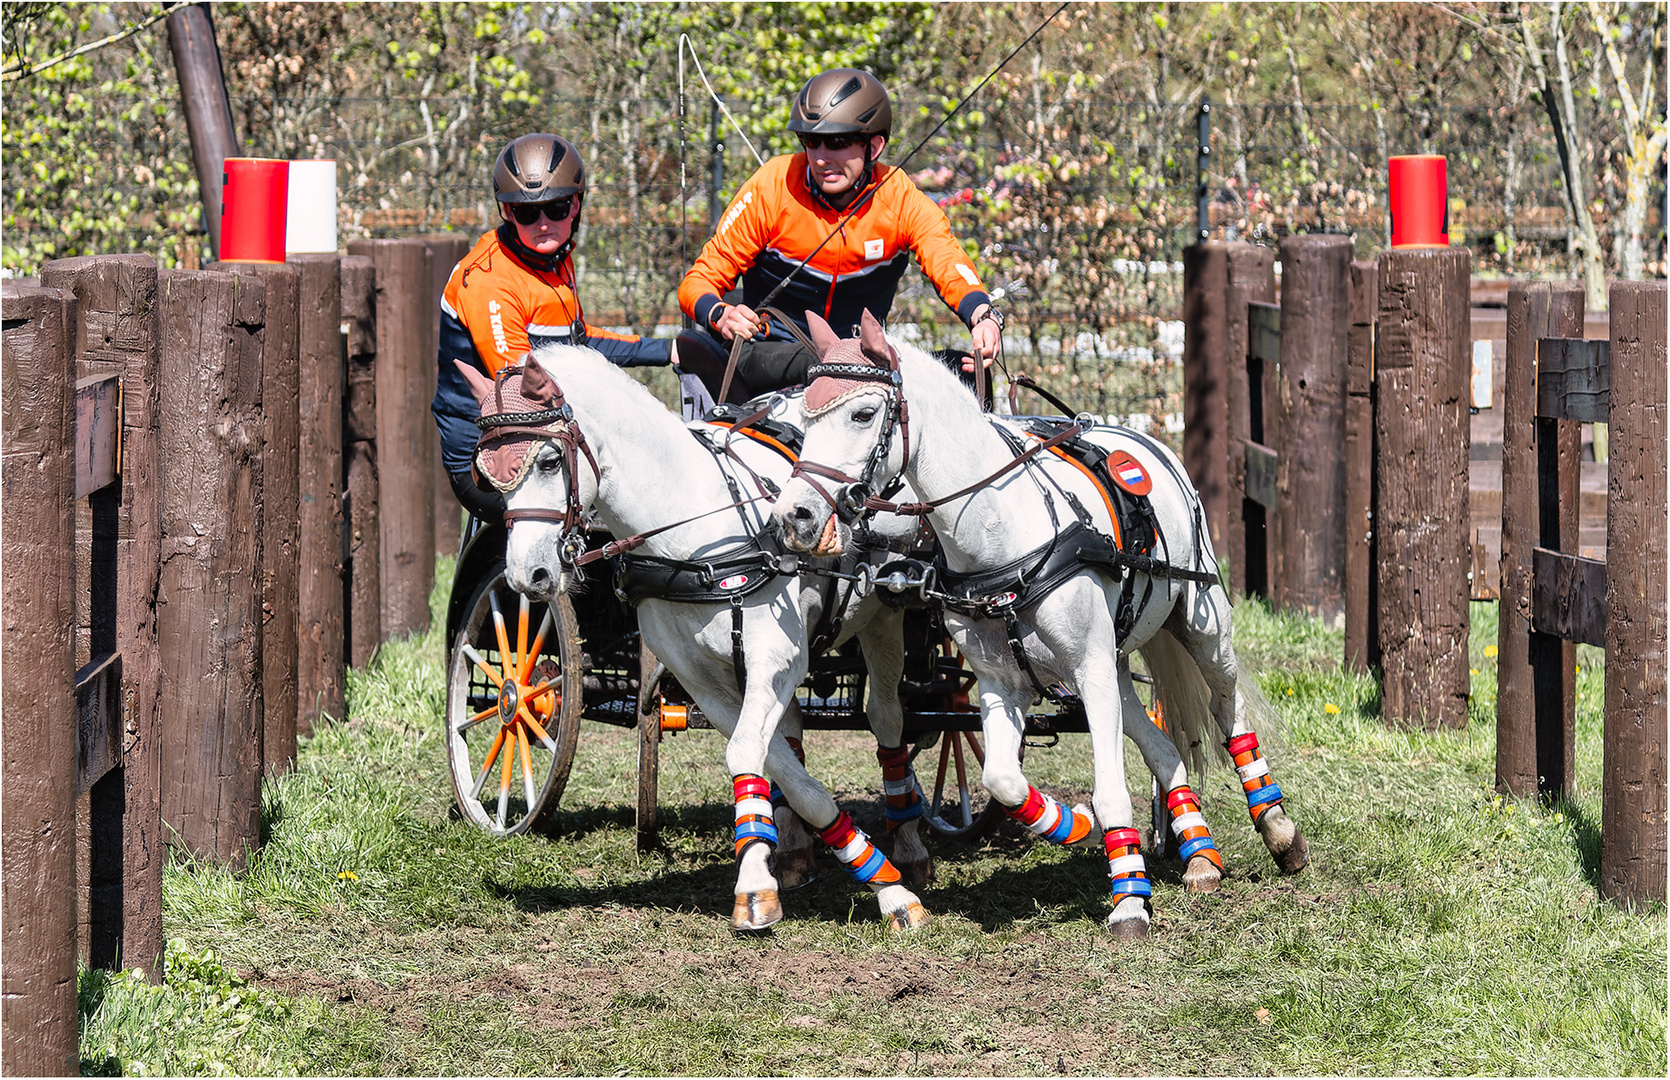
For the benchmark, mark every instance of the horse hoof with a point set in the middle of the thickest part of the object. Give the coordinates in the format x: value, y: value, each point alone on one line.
x: 1284, y: 841
x: 1202, y: 875
x: 916, y: 873
x: 756, y: 912
x: 909, y: 917
x: 796, y: 869
x: 1128, y: 929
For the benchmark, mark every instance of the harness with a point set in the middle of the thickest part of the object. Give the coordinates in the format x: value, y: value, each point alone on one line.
x: 1001, y: 592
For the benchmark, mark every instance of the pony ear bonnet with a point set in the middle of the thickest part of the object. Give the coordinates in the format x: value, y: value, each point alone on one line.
x: 823, y: 336
x: 873, y: 342
x: 537, y: 384
x: 480, y: 385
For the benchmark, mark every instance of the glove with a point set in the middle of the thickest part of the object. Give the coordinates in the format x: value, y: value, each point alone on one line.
x: 483, y: 503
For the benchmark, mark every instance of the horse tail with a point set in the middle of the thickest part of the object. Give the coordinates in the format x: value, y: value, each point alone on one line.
x: 1185, y: 702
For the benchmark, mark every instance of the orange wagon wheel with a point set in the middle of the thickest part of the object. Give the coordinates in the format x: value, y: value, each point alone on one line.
x: 513, y: 707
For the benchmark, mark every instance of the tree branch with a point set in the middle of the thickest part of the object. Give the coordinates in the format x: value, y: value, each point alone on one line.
x: 13, y: 72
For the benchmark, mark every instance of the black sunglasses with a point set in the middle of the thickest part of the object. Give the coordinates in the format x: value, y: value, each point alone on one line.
x: 556, y: 210
x: 830, y: 142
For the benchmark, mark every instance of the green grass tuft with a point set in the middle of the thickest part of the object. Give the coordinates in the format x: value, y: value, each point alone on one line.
x: 1439, y: 929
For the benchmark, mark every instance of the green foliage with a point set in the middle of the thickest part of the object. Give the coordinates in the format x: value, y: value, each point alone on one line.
x: 203, y: 1019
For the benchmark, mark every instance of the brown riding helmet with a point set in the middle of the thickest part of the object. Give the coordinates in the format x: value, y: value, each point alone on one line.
x: 842, y: 101
x: 538, y: 168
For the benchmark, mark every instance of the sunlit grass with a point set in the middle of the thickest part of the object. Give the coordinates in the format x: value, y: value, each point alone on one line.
x: 1439, y: 929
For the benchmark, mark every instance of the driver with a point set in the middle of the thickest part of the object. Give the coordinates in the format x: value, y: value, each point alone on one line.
x: 514, y: 292
x: 781, y: 215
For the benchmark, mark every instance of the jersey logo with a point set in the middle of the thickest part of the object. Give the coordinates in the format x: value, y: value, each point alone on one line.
x: 736, y: 212
x: 1129, y: 474
x: 873, y: 250
x: 497, y: 325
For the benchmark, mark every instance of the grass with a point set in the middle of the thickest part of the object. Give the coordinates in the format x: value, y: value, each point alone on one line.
x: 1438, y: 930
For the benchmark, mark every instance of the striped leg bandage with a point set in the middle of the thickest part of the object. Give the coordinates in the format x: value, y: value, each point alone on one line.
x: 857, y: 854
x: 1187, y: 824
x: 753, y: 812
x: 1049, y: 819
x: 1262, y: 790
x: 904, y: 797
x: 1125, y: 865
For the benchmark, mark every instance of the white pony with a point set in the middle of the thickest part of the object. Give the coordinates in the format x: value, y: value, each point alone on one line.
x: 1036, y: 584
x: 692, y: 499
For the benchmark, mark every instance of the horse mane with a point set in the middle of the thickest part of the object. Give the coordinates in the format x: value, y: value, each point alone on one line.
x: 579, y: 367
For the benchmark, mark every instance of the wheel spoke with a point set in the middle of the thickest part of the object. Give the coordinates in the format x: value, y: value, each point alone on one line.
x: 521, y: 638
x: 527, y: 764
x: 509, y: 763
x: 538, y: 643
x: 962, y: 780
x: 487, y: 765
x: 944, y: 763
x: 506, y: 662
x: 487, y: 713
x: 545, y: 740
x: 481, y: 662
x: 974, y: 744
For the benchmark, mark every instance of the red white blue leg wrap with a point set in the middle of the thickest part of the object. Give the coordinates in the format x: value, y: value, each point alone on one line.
x: 1126, y: 866
x: 1262, y: 790
x: 904, y: 796
x: 1049, y: 819
x: 857, y: 854
x: 753, y: 811
x: 1189, y: 826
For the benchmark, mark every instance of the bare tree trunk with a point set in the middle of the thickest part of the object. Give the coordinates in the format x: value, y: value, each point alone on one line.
x: 1645, y: 135
x: 1561, y: 111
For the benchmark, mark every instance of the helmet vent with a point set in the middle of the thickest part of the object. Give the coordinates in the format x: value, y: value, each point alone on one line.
x: 556, y: 156
x: 851, y: 87
x: 865, y: 118
x: 510, y: 160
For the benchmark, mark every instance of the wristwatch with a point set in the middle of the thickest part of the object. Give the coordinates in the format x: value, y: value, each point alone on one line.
x: 715, y: 313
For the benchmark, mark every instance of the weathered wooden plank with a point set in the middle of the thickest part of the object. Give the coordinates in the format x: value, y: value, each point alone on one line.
x: 98, y: 720
x: 1252, y: 276
x: 1264, y: 331
x: 98, y: 432
x: 1573, y: 375
x: 1568, y: 596
x: 1420, y: 516
x: 1362, y: 641
x: 1534, y: 692
x: 1635, y: 846
x: 1262, y: 466
x: 1310, y: 381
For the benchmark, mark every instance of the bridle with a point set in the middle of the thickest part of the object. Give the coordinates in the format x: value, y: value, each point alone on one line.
x: 555, y: 424
x: 855, y: 499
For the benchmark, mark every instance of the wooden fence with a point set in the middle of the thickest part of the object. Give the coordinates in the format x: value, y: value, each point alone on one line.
x: 195, y: 547
x: 1412, y: 542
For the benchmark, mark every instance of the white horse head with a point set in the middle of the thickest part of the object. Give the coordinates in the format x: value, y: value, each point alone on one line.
x: 855, y: 398
x: 534, y: 451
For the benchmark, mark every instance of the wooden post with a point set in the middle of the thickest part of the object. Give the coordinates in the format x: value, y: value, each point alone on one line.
x: 320, y: 675
x: 280, y: 502
x: 1535, y: 310
x: 362, y: 568
x: 447, y: 250
x: 1362, y: 625
x: 1633, y: 817
x: 406, y: 437
x: 209, y: 622
x: 1251, y: 275
x: 1421, y: 369
x: 191, y: 38
x: 38, y: 1019
x: 1309, y: 541
x: 116, y: 321
x: 1205, y: 412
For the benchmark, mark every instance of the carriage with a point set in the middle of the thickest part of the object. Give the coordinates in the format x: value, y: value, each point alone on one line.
x: 585, y: 647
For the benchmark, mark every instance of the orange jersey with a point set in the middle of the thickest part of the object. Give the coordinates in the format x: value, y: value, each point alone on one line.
x: 509, y: 308
x: 777, y: 220
x: 494, y: 309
